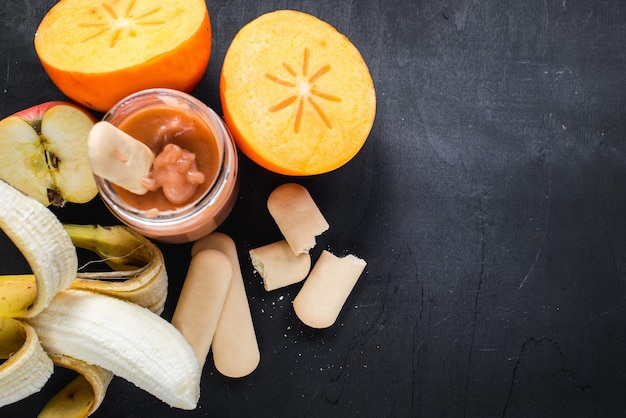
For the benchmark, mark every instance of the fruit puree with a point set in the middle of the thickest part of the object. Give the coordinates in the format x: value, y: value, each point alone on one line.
x: 162, y: 118
x: 156, y: 127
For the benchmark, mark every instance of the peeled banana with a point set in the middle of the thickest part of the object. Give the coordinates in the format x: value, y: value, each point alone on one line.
x: 124, y: 338
x: 99, y: 324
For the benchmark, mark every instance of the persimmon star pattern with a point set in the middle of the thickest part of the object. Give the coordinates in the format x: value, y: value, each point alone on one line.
x: 305, y: 92
x: 116, y: 22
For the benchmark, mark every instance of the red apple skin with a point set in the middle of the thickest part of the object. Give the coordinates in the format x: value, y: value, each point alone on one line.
x: 35, y: 113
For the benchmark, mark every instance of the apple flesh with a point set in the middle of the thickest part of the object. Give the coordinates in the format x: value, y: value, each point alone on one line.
x: 43, y: 153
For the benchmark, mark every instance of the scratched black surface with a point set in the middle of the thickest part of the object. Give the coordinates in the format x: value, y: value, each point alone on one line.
x: 489, y: 202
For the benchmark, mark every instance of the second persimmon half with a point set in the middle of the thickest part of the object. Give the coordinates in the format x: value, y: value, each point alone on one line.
x: 296, y: 94
x: 100, y: 52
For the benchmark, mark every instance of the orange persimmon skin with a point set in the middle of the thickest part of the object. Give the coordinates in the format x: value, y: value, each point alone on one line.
x: 180, y: 68
x: 296, y: 94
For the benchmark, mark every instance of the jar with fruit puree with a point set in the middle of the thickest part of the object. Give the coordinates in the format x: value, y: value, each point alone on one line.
x: 157, y: 117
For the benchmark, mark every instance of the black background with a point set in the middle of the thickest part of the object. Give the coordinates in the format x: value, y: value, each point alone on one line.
x: 489, y: 202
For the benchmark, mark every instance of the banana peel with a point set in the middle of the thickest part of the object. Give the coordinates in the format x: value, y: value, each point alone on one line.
x: 27, y: 367
x: 21, y: 291
x: 99, y: 324
x: 83, y: 394
x: 138, y: 274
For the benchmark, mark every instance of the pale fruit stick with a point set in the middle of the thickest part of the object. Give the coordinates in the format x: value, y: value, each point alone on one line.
x: 235, y: 348
x: 327, y: 288
x: 118, y: 157
x: 279, y: 266
x: 297, y: 216
x: 202, y: 298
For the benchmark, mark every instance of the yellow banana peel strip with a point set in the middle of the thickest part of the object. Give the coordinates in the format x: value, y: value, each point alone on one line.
x: 19, y: 293
x: 27, y: 313
x: 139, y: 274
x: 27, y: 367
x: 83, y: 395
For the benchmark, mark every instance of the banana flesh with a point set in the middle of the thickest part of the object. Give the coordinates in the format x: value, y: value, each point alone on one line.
x: 99, y: 324
x: 125, y: 338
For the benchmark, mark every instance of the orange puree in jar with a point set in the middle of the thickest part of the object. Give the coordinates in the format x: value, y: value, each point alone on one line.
x: 157, y: 127
x: 176, y: 171
x: 182, y: 205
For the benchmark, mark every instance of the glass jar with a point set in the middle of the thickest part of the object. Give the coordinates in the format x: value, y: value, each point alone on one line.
x: 205, y: 212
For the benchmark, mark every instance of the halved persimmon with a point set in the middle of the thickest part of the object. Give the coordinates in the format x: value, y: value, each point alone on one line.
x: 97, y: 53
x: 296, y: 94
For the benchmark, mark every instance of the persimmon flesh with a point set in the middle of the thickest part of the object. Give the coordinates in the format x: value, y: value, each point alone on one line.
x: 296, y: 94
x: 99, y: 52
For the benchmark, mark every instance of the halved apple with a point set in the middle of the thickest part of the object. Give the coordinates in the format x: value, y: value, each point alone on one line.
x: 43, y: 153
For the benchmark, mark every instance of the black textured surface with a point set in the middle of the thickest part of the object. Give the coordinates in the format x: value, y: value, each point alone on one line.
x: 489, y: 202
